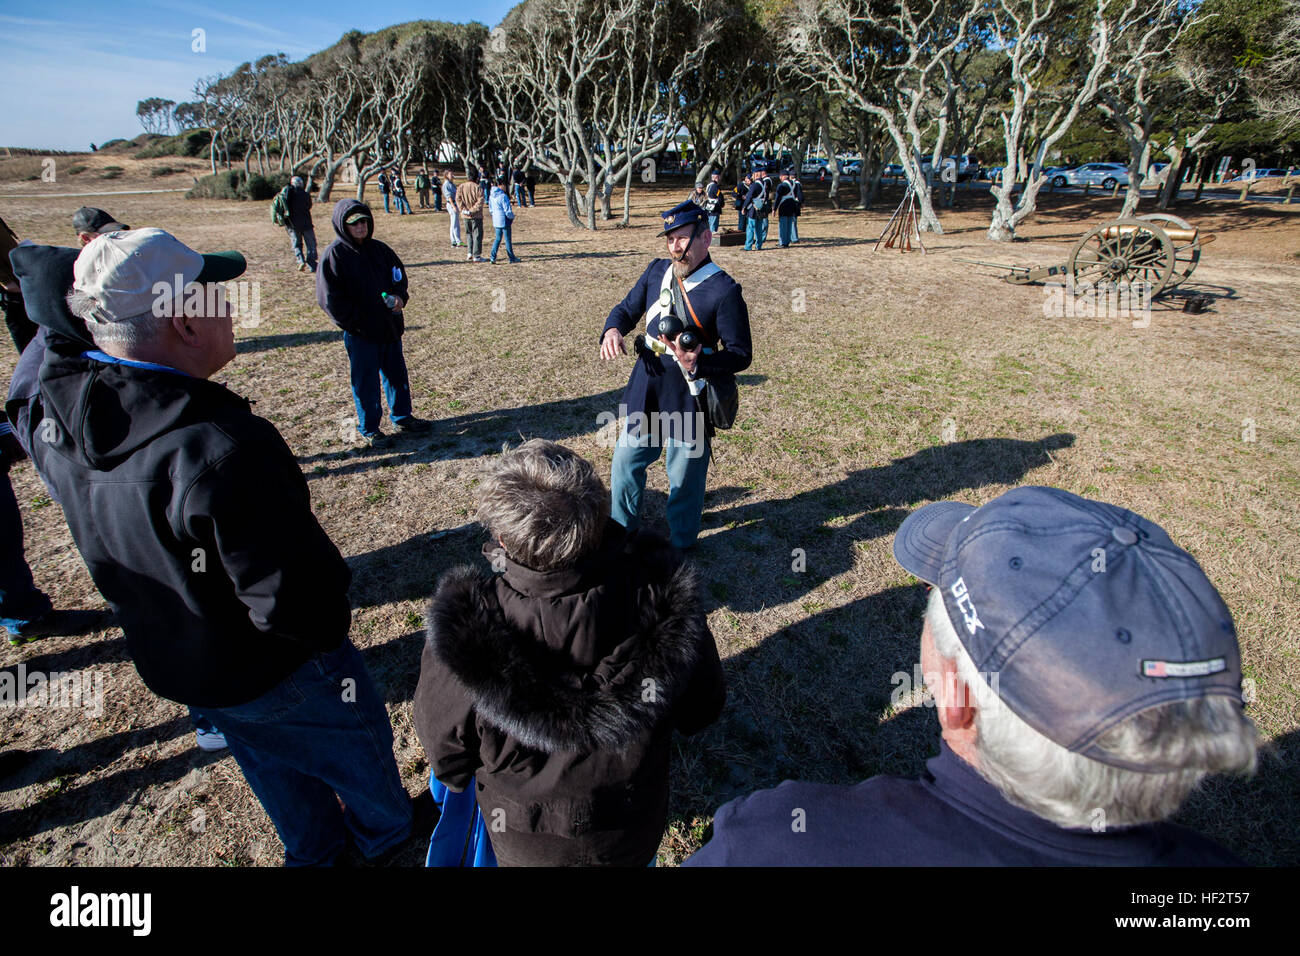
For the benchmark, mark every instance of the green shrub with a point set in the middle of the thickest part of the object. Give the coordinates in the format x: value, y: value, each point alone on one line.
x: 110, y: 144
x: 231, y: 184
x: 260, y: 188
x: 112, y: 172
x: 164, y: 171
x: 78, y: 168
x: 192, y: 142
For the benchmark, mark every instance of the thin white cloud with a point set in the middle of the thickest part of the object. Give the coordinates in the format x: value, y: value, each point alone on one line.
x: 199, y: 10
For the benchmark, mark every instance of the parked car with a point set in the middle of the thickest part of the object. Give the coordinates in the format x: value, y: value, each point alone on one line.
x: 1259, y: 174
x: 967, y: 166
x: 813, y: 165
x: 1105, y: 175
x: 892, y: 171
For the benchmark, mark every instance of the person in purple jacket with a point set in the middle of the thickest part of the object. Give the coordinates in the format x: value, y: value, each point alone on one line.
x: 1086, y: 677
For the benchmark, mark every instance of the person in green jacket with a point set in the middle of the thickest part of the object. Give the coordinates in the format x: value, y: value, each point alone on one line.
x: 422, y: 186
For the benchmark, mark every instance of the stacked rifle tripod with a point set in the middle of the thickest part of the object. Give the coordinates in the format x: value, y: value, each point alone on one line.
x: 902, y: 227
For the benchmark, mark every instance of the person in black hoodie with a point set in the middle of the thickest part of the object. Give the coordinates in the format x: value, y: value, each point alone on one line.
x: 195, y: 523
x: 554, y: 687
x: 361, y: 285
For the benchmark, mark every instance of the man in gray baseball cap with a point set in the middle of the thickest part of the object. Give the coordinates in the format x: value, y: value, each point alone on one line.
x: 1086, y: 677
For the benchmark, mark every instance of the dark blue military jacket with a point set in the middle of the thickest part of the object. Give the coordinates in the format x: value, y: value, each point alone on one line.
x: 950, y: 817
x: 657, y: 384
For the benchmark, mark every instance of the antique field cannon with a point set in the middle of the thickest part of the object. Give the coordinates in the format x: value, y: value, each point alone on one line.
x: 1158, y: 248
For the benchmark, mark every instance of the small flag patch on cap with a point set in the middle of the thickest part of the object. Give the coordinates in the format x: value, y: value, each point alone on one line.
x: 1183, y: 668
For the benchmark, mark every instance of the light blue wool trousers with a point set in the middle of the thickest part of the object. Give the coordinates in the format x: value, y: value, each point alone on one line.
x: 687, y: 464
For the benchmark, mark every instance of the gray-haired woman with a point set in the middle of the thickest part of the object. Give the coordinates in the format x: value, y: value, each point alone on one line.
x: 554, y: 686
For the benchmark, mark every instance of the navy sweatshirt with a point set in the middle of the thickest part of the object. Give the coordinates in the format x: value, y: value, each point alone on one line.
x: 950, y: 817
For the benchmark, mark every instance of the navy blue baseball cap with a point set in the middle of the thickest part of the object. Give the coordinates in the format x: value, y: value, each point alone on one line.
x: 1078, y: 613
x: 685, y: 213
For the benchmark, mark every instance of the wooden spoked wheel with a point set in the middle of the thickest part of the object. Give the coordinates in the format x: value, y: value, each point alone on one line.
x: 1187, y: 252
x: 1128, y: 250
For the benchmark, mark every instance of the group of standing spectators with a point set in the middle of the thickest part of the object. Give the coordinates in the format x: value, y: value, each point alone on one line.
x: 467, y: 202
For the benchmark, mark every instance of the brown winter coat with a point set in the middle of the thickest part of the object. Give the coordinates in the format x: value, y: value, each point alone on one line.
x: 556, y: 693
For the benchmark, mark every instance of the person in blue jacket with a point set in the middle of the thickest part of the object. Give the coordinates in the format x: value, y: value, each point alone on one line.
x: 503, y: 219
x: 361, y: 285
x: 660, y: 398
x: 1086, y: 678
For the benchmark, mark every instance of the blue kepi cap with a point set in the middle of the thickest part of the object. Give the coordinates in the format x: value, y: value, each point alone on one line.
x: 685, y: 213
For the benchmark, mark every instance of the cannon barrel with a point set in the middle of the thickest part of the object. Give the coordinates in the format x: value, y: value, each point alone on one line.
x: 1175, y: 235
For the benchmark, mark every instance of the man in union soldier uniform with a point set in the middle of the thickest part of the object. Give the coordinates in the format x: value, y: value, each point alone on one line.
x: 661, y: 396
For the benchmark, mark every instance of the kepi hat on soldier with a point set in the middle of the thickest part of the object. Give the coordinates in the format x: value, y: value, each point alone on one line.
x: 685, y: 213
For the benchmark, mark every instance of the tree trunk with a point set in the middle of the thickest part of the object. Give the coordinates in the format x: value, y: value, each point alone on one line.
x: 927, y: 221
x: 1002, y: 228
x: 627, y: 193
x: 1177, y: 157
x: 571, y: 201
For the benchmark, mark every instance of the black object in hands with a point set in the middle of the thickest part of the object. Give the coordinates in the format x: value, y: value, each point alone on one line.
x: 673, y: 328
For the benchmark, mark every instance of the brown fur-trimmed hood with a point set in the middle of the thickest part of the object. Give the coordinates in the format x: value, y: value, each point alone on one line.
x: 653, y: 629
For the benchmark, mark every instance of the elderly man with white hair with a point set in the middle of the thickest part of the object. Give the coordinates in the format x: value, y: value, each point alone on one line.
x: 1086, y: 677
x: 195, y: 522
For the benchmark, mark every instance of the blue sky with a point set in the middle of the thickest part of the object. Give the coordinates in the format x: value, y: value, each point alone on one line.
x: 74, y: 69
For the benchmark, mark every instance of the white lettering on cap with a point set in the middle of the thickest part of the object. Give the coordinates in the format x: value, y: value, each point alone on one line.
x: 964, y: 604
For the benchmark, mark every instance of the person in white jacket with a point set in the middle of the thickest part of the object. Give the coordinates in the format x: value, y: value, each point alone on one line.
x: 503, y: 217
x: 449, y: 194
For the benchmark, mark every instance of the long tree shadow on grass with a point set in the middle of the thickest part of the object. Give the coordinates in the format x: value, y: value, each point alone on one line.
x: 760, y: 538
x: 471, y: 435
x: 815, y: 702
x: 1255, y: 817
x: 829, y: 700
x: 99, y: 797
x: 265, y: 343
x: 409, y: 570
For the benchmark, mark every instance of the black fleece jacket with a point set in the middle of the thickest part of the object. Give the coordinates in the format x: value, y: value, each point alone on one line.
x: 353, y: 277
x: 190, y: 511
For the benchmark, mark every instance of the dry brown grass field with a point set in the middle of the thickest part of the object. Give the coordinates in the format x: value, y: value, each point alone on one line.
x: 842, y: 434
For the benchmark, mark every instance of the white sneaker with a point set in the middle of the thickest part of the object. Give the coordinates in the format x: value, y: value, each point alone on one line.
x: 210, y: 739
x: 470, y: 257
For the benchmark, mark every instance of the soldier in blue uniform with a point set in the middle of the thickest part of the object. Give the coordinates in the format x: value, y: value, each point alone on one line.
x: 660, y: 399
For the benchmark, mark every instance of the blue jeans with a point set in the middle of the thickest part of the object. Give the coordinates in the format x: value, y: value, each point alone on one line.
x: 21, y: 601
x: 741, y: 221
x: 403, y: 206
x: 502, y: 232
x: 370, y: 363
x: 322, y: 730
x: 521, y: 199
x: 784, y: 227
x: 386, y: 209
x: 794, y: 229
x: 687, y: 465
x: 755, y: 233
x: 304, y: 245
x: 713, y: 224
